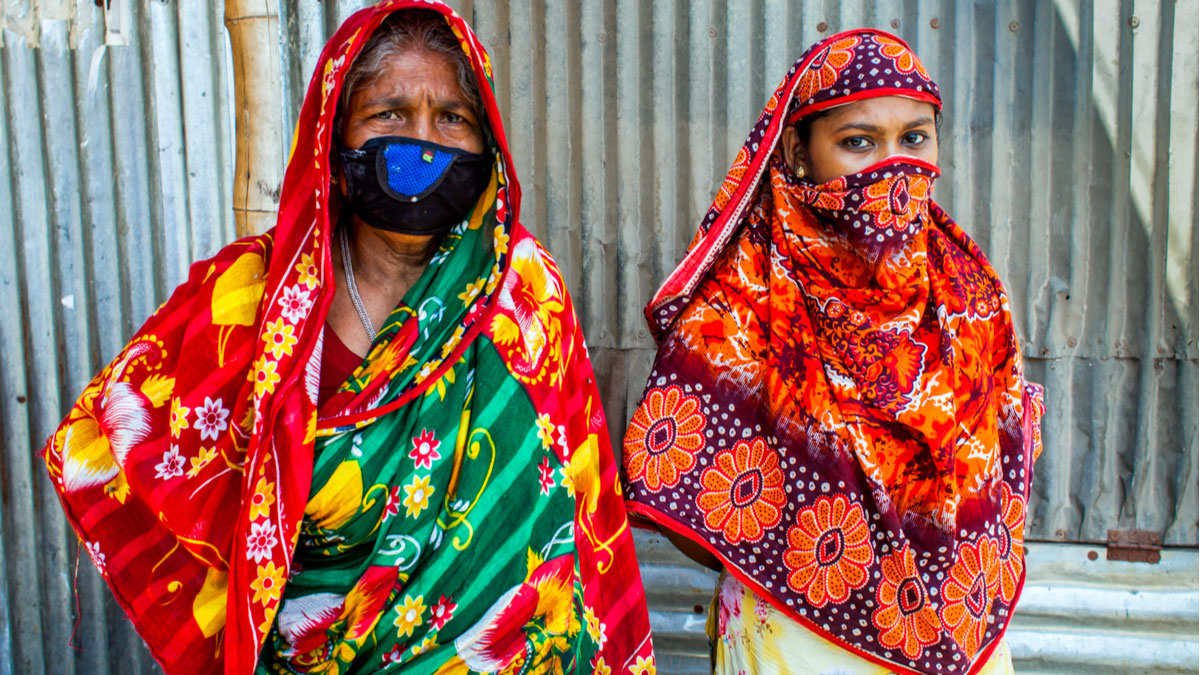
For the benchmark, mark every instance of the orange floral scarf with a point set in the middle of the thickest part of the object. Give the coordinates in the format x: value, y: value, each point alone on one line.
x: 854, y: 441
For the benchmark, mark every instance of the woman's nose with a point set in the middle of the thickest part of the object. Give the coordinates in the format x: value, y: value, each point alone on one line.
x: 891, y: 148
x: 423, y: 126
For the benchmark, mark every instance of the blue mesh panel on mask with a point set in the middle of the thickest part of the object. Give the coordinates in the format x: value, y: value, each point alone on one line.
x: 411, y: 169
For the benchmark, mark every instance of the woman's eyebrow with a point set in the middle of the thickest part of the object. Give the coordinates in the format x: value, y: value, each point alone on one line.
x: 389, y: 102
x: 453, y: 104
x: 862, y: 126
x: 871, y: 128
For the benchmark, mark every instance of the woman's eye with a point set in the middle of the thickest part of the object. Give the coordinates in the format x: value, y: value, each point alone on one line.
x: 856, y: 142
x: 915, y: 138
x: 452, y: 118
x: 386, y: 115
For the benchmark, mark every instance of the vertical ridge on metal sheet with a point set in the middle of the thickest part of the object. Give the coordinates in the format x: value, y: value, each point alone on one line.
x: 20, y: 598
x: 169, y: 175
x: 98, y: 187
x: 700, y: 170
x: 1149, y: 119
x: 1033, y: 276
x: 74, y: 325
x: 1181, y: 164
x: 561, y: 202
x: 670, y: 214
x: 569, y: 245
x: 201, y: 53
x: 959, y: 28
x: 31, y: 221
x: 135, y: 268
x: 1087, y: 245
x: 131, y: 147
x: 598, y: 210
x: 630, y: 153
x: 520, y: 110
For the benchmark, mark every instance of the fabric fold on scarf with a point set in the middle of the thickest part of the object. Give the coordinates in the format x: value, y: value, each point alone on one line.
x: 853, y: 438
x: 452, y: 508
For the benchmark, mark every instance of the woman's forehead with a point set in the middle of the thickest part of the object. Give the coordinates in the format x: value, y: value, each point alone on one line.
x: 879, y: 110
x: 410, y: 70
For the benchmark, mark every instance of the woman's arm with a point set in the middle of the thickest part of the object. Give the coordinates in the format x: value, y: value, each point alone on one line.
x: 692, y: 550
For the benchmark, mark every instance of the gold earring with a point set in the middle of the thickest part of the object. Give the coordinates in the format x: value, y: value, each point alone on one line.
x: 800, y: 172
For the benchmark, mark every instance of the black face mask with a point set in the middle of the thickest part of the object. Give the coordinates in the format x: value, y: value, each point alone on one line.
x: 412, y: 186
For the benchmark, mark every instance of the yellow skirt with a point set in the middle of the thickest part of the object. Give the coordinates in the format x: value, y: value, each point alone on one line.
x: 751, y: 637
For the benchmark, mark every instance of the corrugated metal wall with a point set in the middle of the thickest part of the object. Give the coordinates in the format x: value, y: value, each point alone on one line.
x: 1069, y: 149
x: 116, y: 165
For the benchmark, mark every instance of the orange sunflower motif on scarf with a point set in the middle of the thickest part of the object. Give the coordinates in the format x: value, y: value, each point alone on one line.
x: 829, y: 553
x: 905, y: 619
x: 743, y: 491
x: 664, y: 436
x: 826, y: 66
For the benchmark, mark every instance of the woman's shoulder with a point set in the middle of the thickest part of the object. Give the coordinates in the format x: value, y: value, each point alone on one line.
x: 528, y: 254
x: 533, y: 325
x: 241, y: 263
x: 530, y: 262
x: 260, y: 245
x: 249, y: 257
x: 230, y: 281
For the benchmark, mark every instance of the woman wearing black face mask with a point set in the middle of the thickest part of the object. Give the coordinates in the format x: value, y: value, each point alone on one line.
x: 370, y: 439
x: 409, y: 158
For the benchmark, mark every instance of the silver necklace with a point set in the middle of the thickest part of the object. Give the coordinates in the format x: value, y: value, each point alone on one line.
x: 353, y: 288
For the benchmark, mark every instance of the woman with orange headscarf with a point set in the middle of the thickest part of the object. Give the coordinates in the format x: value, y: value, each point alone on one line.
x: 837, y: 416
x: 368, y: 440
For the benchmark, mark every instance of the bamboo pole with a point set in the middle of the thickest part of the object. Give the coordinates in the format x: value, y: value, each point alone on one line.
x: 253, y: 27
